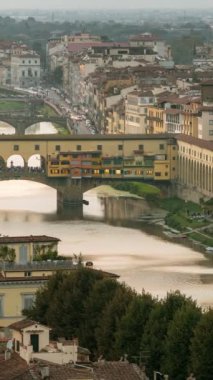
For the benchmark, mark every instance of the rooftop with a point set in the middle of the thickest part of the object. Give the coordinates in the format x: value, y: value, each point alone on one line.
x: 20, y: 325
x: 14, y: 368
x: 195, y: 141
x: 28, y: 239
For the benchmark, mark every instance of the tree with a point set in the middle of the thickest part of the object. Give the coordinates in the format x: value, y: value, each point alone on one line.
x: 155, y: 331
x: 202, y: 347
x: 7, y: 254
x: 60, y: 304
x: 177, y: 343
x: 100, y: 296
x: 109, y: 323
x: 131, y: 327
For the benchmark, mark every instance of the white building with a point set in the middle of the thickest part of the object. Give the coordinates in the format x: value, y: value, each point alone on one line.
x: 25, y: 70
x: 136, y: 111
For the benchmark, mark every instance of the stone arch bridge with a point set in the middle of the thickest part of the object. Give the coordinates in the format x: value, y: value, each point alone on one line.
x: 21, y: 122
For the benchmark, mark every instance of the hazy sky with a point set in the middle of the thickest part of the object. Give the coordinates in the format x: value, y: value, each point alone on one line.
x: 73, y: 4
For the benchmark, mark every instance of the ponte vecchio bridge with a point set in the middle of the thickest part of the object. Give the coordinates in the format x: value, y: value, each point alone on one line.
x: 74, y: 164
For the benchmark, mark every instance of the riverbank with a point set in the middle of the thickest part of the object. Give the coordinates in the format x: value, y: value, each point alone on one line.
x: 171, y: 219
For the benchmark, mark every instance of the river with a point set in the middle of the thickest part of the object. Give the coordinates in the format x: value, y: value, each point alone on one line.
x: 142, y: 260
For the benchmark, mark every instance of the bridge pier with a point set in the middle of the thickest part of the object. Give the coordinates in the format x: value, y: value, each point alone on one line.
x: 70, y: 195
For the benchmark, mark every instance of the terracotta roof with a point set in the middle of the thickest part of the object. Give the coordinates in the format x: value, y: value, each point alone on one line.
x: 27, y: 239
x: 20, y: 325
x: 14, y: 368
x: 93, y: 371
x: 65, y: 372
x: 195, y: 141
x: 115, y: 371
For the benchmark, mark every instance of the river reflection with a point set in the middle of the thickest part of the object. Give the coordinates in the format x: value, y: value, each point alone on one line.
x: 105, y: 235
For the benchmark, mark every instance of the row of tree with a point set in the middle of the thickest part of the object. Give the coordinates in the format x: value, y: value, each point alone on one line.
x: 172, y: 335
x: 36, y: 33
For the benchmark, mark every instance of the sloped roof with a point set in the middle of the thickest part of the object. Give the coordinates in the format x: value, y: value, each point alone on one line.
x: 20, y: 325
x: 205, y: 144
x: 28, y: 239
x: 14, y: 368
x: 91, y: 371
x: 115, y: 371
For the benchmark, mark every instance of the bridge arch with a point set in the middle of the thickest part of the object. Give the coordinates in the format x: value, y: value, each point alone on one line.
x: 41, y: 127
x: 15, y: 160
x: 36, y: 161
x: 6, y: 128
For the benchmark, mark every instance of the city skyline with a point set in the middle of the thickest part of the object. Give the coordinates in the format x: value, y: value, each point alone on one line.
x: 96, y: 4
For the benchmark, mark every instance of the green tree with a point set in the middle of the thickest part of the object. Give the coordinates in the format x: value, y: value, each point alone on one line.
x: 7, y: 254
x: 61, y: 303
x: 177, y: 343
x: 109, y: 323
x: 101, y: 294
x: 202, y: 347
x: 155, y: 331
x: 131, y: 327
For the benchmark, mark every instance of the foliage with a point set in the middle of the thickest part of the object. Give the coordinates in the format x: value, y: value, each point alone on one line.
x: 7, y: 254
x: 12, y: 105
x: 138, y: 188
x: 131, y: 327
x: 101, y: 294
x: 202, y: 347
x: 109, y: 324
x: 44, y: 252
x: 177, y: 342
x: 156, y: 328
x: 67, y: 292
x: 112, y: 320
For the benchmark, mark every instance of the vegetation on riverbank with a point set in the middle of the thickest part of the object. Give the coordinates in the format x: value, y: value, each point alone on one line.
x: 183, y: 216
x: 111, y: 320
x: 144, y: 190
x: 11, y: 105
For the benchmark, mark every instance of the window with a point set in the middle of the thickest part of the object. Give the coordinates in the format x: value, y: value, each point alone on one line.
x: 140, y: 147
x: 161, y: 146
x: 78, y: 147
x: 166, y: 174
x: 23, y: 61
x: 99, y: 147
x: 211, y: 132
x: 27, y: 274
x: 120, y: 147
x: 23, y: 73
x: 210, y: 122
x: 27, y: 301
x: 35, y: 61
x: 35, y: 73
x: 37, y: 147
x: 174, y: 158
x: 157, y: 174
x: 15, y: 147
x: 1, y: 306
x: 58, y: 148
x: 29, y: 61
